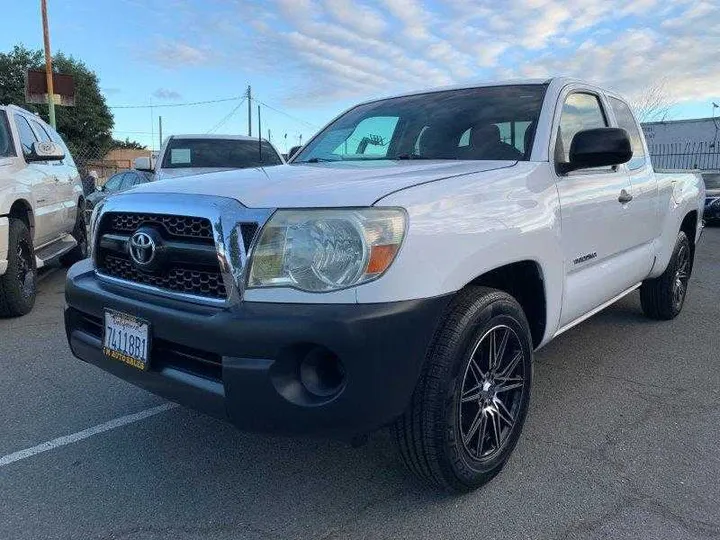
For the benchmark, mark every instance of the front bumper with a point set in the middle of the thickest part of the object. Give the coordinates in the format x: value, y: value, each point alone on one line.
x: 241, y: 364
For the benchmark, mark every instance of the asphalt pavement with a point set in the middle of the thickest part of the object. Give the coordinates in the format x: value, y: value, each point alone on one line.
x: 622, y: 441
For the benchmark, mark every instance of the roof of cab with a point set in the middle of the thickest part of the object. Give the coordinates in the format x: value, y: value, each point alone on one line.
x: 215, y: 136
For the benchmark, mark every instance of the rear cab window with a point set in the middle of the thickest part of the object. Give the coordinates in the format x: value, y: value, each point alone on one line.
x: 626, y: 121
x: 218, y: 153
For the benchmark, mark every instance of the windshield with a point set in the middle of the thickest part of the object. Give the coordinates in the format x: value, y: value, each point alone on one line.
x: 218, y: 153
x: 712, y: 181
x: 488, y: 123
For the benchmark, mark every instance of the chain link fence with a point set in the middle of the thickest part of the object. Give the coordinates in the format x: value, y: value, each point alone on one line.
x: 105, y: 164
x: 690, y: 155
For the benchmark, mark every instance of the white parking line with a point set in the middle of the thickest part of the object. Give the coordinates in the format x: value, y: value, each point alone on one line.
x: 84, y: 434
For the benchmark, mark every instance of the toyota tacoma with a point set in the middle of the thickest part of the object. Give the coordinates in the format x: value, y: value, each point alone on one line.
x: 400, y: 271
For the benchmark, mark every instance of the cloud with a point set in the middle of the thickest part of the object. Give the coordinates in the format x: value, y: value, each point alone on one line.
x: 166, y: 94
x: 325, y: 50
x: 356, y: 16
x: 177, y: 55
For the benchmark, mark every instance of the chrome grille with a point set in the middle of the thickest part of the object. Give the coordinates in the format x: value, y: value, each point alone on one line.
x: 199, y: 259
x: 181, y: 226
x: 183, y: 280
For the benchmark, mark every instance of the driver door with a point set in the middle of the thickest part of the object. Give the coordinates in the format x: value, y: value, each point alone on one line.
x: 595, y: 223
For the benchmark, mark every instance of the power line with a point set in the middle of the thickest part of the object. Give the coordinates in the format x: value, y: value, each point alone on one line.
x: 188, y: 104
x: 227, y: 117
x: 286, y: 114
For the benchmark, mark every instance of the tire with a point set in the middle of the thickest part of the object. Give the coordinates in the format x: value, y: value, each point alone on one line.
x: 663, y: 297
x: 439, y: 435
x: 80, y: 251
x: 18, y: 286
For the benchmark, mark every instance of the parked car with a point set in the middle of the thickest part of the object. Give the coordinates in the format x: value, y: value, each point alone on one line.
x: 40, y: 194
x: 712, y: 197
x: 117, y: 183
x: 184, y: 155
x: 401, y: 270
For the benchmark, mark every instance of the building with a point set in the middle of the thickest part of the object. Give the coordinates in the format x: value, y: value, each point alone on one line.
x: 684, y: 144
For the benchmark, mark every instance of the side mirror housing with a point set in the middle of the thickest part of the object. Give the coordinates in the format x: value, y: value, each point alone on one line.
x: 143, y: 164
x: 599, y: 147
x: 294, y: 150
x: 46, y: 151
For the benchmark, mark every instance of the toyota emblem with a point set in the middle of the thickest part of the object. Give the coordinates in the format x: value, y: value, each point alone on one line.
x: 142, y: 248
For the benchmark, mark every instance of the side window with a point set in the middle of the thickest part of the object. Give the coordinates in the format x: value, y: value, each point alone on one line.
x: 27, y: 137
x: 7, y: 147
x: 113, y: 183
x: 580, y: 112
x: 625, y: 120
x: 44, y: 137
x: 58, y: 140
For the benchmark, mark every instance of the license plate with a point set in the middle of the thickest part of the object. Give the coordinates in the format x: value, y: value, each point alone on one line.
x: 127, y: 339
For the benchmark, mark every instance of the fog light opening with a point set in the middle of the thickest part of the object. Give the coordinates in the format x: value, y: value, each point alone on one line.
x: 322, y: 373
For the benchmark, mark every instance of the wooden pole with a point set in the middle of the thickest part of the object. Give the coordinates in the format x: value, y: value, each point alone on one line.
x: 48, y: 64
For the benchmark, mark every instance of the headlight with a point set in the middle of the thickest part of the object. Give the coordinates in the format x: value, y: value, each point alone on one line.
x: 326, y: 250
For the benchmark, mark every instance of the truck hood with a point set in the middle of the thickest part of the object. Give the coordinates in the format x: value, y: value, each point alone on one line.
x: 161, y: 174
x: 351, y: 183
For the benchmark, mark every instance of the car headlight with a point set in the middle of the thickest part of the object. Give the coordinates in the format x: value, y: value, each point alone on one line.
x: 326, y: 250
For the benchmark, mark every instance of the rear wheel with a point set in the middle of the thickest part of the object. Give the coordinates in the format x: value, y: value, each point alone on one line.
x: 663, y: 297
x: 19, y: 283
x: 470, y: 404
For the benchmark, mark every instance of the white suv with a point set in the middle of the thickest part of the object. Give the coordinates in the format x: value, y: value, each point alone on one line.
x: 40, y: 193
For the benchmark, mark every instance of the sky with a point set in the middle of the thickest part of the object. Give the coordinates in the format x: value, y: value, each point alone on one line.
x: 308, y: 60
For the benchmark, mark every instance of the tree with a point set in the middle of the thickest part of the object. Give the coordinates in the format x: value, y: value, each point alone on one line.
x: 653, y: 103
x: 86, y: 128
x: 127, y: 144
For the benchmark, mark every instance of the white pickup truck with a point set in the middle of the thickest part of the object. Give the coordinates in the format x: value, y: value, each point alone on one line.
x: 400, y: 270
x: 186, y: 155
x: 40, y: 193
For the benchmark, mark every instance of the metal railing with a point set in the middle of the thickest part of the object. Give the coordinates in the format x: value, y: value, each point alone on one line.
x: 690, y: 155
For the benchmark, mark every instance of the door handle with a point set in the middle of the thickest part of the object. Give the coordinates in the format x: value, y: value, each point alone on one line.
x: 624, y: 197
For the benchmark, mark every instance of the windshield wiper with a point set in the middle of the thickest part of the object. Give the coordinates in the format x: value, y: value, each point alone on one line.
x: 411, y: 156
x: 317, y: 160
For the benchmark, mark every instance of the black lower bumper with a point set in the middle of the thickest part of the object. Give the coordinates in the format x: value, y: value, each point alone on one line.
x: 243, y: 364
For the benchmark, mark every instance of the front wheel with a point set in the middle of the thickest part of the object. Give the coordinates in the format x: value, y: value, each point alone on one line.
x: 19, y: 283
x: 663, y: 297
x: 470, y: 404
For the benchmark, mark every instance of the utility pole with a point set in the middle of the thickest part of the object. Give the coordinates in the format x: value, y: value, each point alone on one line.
x: 249, y: 100
x: 259, y: 135
x: 48, y: 64
x: 160, y: 130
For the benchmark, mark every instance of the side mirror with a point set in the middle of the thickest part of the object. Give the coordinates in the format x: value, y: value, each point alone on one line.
x: 143, y: 164
x: 600, y: 147
x: 294, y: 150
x: 46, y: 151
